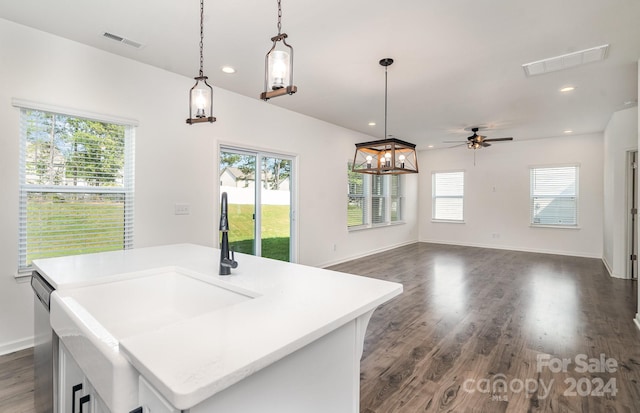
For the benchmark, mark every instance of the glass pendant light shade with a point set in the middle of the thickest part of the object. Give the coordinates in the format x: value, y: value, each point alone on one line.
x: 278, y: 65
x: 201, y: 94
x: 278, y: 77
x: 201, y: 102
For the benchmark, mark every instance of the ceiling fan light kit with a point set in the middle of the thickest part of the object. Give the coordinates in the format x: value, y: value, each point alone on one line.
x: 389, y: 156
x: 476, y: 141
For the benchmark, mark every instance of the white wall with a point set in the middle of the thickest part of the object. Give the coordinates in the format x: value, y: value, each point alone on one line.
x: 620, y: 136
x: 497, y: 195
x: 175, y: 162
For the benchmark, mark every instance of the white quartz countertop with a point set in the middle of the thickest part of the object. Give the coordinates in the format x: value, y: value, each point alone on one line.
x: 192, y: 359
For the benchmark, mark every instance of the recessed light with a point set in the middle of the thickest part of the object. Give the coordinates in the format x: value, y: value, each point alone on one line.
x: 568, y: 131
x: 228, y: 69
x: 568, y: 89
x: 372, y: 124
x: 430, y: 146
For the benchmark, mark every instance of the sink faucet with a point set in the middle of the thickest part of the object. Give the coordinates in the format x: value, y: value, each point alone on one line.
x: 226, y: 263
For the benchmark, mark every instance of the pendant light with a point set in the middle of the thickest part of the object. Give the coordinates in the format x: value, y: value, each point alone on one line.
x: 278, y: 66
x: 389, y: 156
x: 201, y: 94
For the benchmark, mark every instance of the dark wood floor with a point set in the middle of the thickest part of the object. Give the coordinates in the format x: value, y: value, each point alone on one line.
x: 16, y: 382
x: 467, y: 333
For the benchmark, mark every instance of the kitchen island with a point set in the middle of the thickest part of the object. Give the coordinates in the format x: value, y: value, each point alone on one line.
x: 159, y: 327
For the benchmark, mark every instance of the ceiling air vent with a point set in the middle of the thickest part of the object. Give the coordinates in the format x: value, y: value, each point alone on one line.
x: 122, y: 40
x: 566, y: 61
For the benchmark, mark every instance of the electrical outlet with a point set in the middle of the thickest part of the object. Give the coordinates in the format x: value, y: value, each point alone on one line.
x: 495, y: 235
x: 182, y: 209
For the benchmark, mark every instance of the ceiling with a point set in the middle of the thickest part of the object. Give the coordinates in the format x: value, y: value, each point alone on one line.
x: 458, y: 63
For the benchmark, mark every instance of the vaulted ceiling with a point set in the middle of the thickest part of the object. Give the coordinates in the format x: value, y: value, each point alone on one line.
x: 458, y: 63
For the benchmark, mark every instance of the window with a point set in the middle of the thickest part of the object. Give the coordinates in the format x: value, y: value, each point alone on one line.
x: 76, y: 186
x: 396, y: 197
x: 374, y: 199
x: 448, y: 196
x: 554, y: 196
x: 357, y: 205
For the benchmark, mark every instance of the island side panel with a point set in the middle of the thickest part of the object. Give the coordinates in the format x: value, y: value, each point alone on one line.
x: 319, y: 378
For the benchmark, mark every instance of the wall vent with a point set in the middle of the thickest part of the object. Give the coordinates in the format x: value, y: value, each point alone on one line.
x: 122, y: 40
x: 566, y: 61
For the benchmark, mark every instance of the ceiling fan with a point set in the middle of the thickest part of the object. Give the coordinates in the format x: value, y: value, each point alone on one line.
x: 476, y: 141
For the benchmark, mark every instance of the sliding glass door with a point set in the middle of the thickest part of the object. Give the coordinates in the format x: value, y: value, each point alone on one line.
x: 259, y: 190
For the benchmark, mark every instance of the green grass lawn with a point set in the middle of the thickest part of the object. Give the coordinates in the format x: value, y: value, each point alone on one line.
x: 275, y: 230
x: 56, y: 228
x: 49, y: 221
x: 354, y: 215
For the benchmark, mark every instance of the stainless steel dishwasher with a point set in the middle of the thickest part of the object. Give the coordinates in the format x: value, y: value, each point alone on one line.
x: 45, y: 350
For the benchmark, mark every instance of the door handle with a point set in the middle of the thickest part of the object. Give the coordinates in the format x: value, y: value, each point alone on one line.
x: 75, y: 389
x: 83, y: 400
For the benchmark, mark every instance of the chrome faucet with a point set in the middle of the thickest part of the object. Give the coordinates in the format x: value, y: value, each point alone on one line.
x: 226, y: 263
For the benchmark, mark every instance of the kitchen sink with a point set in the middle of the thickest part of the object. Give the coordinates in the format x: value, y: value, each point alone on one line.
x: 92, y: 319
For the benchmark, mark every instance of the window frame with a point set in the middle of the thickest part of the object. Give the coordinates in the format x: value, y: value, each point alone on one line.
x: 434, y: 196
x: 576, y: 197
x: 386, y: 198
x: 125, y: 190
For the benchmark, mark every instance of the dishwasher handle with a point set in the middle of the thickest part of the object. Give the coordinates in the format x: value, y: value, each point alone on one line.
x: 41, y: 288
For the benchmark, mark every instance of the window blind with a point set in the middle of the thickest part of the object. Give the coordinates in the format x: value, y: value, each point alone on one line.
x: 448, y: 196
x: 357, y: 205
x: 378, y: 199
x: 554, y: 196
x: 76, y: 186
x: 397, y: 197
x: 374, y: 199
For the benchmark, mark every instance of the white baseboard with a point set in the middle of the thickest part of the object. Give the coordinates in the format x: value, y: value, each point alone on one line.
x: 611, y: 273
x: 365, y: 254
x: 512, y: 248
x: 13, y: 346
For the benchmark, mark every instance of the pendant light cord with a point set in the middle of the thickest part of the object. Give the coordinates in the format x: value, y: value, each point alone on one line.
x: 385, y: 102
x: 279, y: 17
x: 201, y: 37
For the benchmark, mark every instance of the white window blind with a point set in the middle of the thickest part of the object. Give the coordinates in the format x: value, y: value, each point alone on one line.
x: 76, y: 186
x: 374, y: 199
x: 397, y: 198
x: 554, y: 196
x: 358, y: 204
x: 378, y: 199
x: 448, y: 196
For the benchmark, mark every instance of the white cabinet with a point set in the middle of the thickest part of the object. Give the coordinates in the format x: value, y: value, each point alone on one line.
x: 152, y: 401
x: 75, y: 393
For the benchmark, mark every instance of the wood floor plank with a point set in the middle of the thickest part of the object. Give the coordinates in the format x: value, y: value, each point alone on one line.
x: 474, y: 319
x: 16, y: 382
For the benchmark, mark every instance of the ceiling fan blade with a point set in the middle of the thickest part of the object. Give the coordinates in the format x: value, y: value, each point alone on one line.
x: 498, y: 139
x: 485, y: 144
x: 456, y: 146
